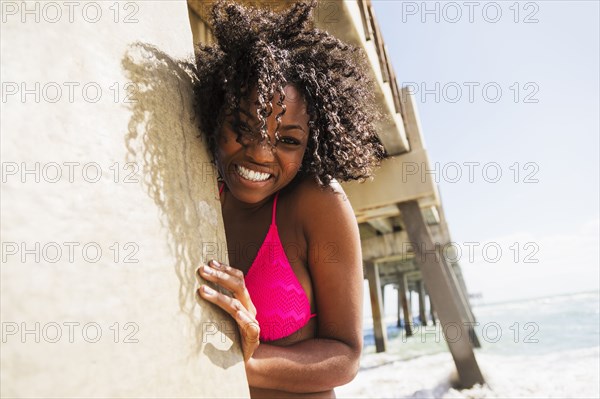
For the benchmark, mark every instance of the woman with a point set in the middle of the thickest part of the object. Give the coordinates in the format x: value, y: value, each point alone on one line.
x: 285, y: 111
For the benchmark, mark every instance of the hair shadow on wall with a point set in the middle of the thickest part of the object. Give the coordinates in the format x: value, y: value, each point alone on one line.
x: 177, y: 173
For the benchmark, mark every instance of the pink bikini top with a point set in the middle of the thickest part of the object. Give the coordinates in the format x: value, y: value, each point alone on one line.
x: 282, y: 307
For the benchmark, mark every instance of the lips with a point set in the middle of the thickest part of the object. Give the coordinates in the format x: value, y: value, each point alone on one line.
x: 252, y: 174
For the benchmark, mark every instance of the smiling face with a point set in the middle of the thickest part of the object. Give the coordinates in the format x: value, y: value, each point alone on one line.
x: 252, y: 168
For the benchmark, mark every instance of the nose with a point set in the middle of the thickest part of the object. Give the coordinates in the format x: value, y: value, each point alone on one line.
x: 261, y: 151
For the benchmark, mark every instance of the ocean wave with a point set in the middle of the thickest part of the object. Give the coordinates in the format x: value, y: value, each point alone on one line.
x: 528, y: 302
x: 564, y: 374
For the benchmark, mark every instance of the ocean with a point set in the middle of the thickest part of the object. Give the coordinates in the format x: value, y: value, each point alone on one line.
x: 534, y: 348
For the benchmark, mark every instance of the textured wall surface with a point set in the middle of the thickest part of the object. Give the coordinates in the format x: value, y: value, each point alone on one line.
x: 109, y: 204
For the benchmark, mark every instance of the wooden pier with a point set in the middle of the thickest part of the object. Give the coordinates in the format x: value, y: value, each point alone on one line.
x: 401, y: 217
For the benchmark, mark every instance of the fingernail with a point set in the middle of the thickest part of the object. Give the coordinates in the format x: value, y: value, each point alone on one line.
x: 207, y: 290
x: 216, y: 264
x: 207, y: 270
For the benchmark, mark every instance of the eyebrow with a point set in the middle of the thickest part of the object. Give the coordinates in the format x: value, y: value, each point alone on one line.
x: 281, y: 127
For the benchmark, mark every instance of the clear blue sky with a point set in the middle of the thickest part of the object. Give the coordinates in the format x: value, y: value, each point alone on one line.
x: 557, y: 56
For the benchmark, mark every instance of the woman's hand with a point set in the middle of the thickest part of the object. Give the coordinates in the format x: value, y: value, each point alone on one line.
x: 240, y: 306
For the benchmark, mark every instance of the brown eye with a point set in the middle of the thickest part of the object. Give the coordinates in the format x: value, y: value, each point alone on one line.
x: 289, y: 141
x: 244, y: 128
x: 241, y: 126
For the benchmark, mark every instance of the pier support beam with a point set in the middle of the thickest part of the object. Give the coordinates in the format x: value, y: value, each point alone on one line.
x: 379, y: 329
x: 402, y: 294
x: 398, y: 308
x: 456, y: 282
x: 464, y: 307
x: 441, y: 293
x: 432, y: 312
x: 422, y: 315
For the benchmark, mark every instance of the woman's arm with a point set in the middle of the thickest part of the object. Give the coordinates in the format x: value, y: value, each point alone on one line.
x: 313, y: 365
x: 335, y: 263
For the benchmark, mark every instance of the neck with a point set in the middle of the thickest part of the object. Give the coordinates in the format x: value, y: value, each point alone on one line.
x: 245, y: 207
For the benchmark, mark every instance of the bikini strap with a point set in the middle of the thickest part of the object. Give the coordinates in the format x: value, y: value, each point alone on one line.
x: 221, y: 188
x: 274, y: 208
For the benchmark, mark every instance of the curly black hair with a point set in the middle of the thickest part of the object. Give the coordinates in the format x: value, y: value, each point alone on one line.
x: 267, y: 50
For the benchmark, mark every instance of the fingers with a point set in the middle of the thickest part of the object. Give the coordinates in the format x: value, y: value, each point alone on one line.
x: 231, y: 279
x: 250, y: 332
x: 246, y: 320
x: 240, y: 306
x: 225, y: 302
x: 250, y: 327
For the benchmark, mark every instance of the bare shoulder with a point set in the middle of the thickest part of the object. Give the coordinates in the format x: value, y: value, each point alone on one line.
x: 308, y: 188
x: 322, y: 208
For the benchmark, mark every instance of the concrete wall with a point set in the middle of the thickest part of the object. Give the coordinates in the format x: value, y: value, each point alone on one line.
x: 108, y: 206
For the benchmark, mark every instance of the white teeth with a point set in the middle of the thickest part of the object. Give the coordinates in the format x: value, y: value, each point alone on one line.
x: 251, y: 174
